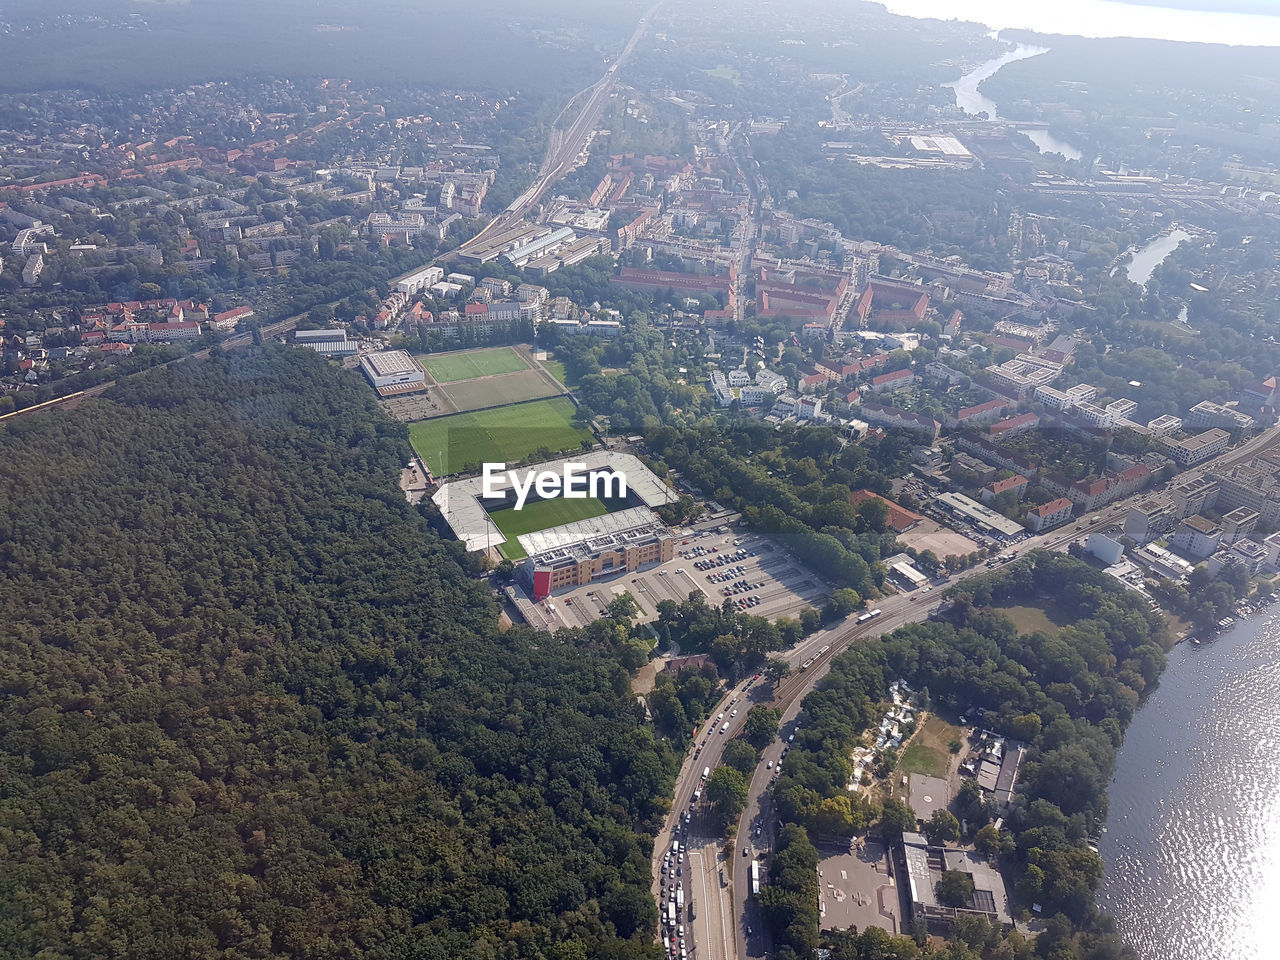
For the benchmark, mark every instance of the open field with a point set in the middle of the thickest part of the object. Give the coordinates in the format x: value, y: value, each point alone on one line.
x: 504, y: 388
x: 1030, y: 619
x: 540, y: 516
x: 469, y: 364
x: 928, y: 751
x: 501, y: 434
x: 943, y: 542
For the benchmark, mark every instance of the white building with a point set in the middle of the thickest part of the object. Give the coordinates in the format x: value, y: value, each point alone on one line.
x: 393, y: 372
x: 420, y: 280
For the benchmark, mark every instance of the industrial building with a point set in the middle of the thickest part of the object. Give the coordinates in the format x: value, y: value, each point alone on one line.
x: 329, y: 343
x: 984, y: 518
x: 393, y: 373
x: 924, y: 866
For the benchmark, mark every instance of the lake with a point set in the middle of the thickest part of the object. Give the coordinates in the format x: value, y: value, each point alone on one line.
x: 1144, y: 262
x: 1103, y: 18
x: 1192, y: 843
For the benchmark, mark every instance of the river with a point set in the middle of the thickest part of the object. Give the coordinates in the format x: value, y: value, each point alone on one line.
x: 971, y: 100
x: 1192, y: 844
x: 1152, y: 254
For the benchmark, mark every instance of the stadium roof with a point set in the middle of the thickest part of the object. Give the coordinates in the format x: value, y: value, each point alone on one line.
x: 572, y: 534
x: 469, y: 520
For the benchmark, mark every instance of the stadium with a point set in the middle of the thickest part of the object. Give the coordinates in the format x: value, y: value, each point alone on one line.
x: 561, y: 542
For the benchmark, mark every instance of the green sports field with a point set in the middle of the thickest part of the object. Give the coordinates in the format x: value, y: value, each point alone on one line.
x: 470, y: 364
x: 540, y: 516
x: 501, y: 434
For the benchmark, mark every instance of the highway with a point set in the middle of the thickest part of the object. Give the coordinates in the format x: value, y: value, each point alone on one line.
x: 564, y: 147
x: 787, y: 697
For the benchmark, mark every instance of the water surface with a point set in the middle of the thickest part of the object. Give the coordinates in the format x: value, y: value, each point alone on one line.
x: 1192, y: 846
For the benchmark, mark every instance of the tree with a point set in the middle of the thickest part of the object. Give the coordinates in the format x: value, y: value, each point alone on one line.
x: 741, y: 756
x: 842, y: 603
x: 942, y: 828
x: 993, y: 843
x: 896, y: 818
x: 727, y: 793
x: 776, y: 670
x: 954, y: 888
x: 623, y: 607
x: 761, y: 725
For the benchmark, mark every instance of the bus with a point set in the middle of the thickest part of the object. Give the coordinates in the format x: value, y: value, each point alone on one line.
x: 755, y: 877
x: 671, y: 913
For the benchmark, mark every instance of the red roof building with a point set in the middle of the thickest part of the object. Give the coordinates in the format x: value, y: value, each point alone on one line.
x: 900, y: 519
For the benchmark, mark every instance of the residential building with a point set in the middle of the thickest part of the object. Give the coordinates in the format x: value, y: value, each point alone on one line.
x: 1197, y: 537
x: 1198, y: 448
x: 892, y: 381
x: 1150, y: 519
x: 902, y: 419
x: 1209, y: 414
x: 1164, y: 425
x: 1014, y: 425
x: 1238, y: 524
x: 1017, y: 485
x: 720, y: 388
x: 1050, y: 515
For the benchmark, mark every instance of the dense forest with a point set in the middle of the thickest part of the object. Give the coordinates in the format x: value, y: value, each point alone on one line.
x: 253, y: 707
x: 1070, y: 696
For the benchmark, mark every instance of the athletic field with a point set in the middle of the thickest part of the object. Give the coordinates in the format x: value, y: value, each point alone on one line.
x: 500, y: 434
x: 469, y: 364
x: 540, y: 516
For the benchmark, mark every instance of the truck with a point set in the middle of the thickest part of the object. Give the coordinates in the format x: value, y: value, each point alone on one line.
x: 706, y: 772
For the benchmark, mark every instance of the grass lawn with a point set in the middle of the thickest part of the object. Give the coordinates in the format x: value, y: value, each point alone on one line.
x: 502, y: 434
x: 556, y: 369
x: 504, y: 388
x: 927, y: 752
x: 540, y: 516
x: 1048, y: 621
x: 470, y: 364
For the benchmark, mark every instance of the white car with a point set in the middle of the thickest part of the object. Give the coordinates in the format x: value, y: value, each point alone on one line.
x: 733, y: 713
x: 720, y: 715
x: 769, y: 765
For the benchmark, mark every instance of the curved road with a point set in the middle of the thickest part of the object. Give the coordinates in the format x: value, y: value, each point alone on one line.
x: 709, y: 744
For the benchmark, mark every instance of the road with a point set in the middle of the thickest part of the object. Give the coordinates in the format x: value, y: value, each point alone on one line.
x: 897, y: 611
x: 565, y: 146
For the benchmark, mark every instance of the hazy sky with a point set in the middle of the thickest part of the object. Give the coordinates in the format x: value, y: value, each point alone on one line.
x: 1107, y: 18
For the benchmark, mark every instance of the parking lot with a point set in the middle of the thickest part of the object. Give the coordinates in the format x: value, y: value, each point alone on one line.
x: 762, y: 579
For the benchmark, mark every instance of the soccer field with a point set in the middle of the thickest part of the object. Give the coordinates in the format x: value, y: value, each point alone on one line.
x: 470, y: 364
x: 540, y: 516
x: 501, y: 434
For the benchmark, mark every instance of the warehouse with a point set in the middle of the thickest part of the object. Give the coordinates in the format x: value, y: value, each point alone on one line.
x: 393, y: 373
